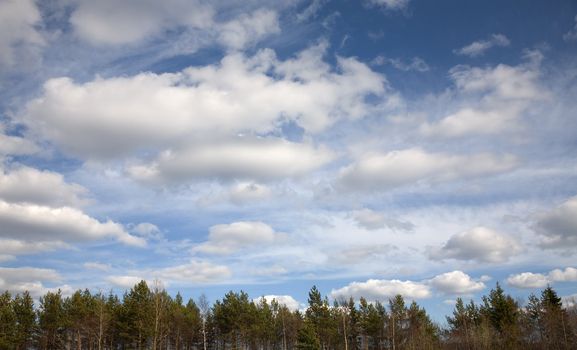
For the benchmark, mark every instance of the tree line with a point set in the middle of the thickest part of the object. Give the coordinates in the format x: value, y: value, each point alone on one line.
x: 149, y: 318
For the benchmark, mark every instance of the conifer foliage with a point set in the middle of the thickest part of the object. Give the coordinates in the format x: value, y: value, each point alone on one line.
x: 149, y: 318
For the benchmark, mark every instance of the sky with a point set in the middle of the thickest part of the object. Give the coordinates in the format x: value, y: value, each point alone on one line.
x: 371, y: 148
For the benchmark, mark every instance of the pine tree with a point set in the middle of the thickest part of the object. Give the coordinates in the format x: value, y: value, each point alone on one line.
x: 51, y: 321
x: 307, y: 338
x: 502, y: 312
x: 554, y: 319
x: 7, y: 321
x: 23, y: 306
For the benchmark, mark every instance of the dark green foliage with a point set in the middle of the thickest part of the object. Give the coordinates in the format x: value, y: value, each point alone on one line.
x: 152, y: 319
x: 307, y: 338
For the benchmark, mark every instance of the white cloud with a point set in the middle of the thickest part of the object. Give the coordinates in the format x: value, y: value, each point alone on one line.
x: 18, y: 19
x: 194, y: 272
x: 229, y: 238
x: 356, y: 254
x: 285, y: 300
x: 572, y: 34
x: 416, y: 64
x: 131, y: 22
x: 151, y: 111
x: 478, y: 48
x: 558, y: 227
x: 480, y: 244
x: 528, y: 280
x: 375, y: 171
x: 569, y: 301
x: 110, y: 22
x: 390, y: 4
x: 311, y: 10
x: 567, y: 275
x: 539, y: 280
x: 21, y: 279
x: 382, y: 290
x: 125, y: 282
x: 14, y: 145
x: 374, y: 220
x: 147, y: 231
x: 240, y: 158
x: 97, y: 266
x: 246, y: 30
x: 249, y: 192
x: 9, y: 248
x: 498, y: 96
x: 456, y: 282
x: 35, y: 222
x: 29, y: 185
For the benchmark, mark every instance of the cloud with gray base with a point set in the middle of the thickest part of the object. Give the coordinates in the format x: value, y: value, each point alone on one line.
x: 382, y: 172
x: 226, y: 239
x: 478, y: 244
x: 374, y: 220
x: 558, y: 227
x: 532, y: 280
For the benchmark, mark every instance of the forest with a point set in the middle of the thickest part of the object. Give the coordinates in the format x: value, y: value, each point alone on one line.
x: 149, y: 318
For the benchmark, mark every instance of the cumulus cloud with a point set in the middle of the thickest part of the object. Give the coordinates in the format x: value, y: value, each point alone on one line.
x: 248, y: 29
x: 10, y: 248
x: 162, y: 111
x: 539, y: 280
x: 567, y: 275
x: 249, y: 192
x: 374, y: 220
x: 194, y: 271
x: 240, y: 158
x: 228, y: 238
x: 14, y: 145
x: 125, y: 281
x: 528, y: 280
x: 31, y: 222
x: 480, y: 244
x: 31, y: 279
x: 558, y: 227
x: 478, y: 48
x: 29, y: 185
x: 390, y: 4
x: 18, y: 20
x: 285, y: 300
x: 456, y: 282
x: 499, y: 96
x: 148, y: 231
x: 110, y: 22
x: 130, y: 22
x: 382, y: 290
x: 572, y: 34
x: 375, y: 171
x: 415, y: 64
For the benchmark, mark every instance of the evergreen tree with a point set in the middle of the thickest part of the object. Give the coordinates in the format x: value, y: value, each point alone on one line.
x: 23, y: 306
x: 554, y: 319
x: 307, y: 338
x: 7, y: 321
x: 502, y: 313
x: 136, y: 317
x: 51, y: 321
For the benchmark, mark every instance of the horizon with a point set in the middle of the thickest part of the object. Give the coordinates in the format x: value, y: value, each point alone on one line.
x: 373, y: 148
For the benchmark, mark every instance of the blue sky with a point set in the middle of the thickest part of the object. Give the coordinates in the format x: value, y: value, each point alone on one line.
x: 369, y: 147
